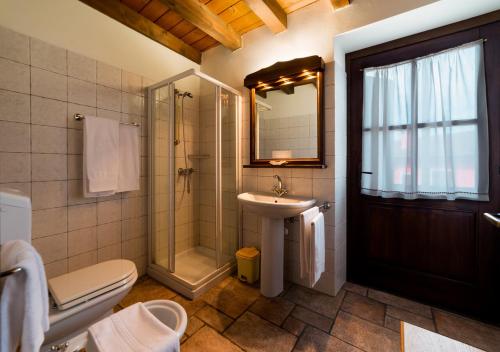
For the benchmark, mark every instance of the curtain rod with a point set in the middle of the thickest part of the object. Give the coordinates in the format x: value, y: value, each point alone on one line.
x: 484, y: 40
x: 79, y: 117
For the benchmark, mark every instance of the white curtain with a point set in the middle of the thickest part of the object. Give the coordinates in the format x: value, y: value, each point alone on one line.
x: 425, y: 127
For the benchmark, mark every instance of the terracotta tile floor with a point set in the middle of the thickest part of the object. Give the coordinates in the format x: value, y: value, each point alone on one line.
x: 235, y: 317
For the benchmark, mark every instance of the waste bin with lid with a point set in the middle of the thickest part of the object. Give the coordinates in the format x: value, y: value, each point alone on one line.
x: 248, y: 264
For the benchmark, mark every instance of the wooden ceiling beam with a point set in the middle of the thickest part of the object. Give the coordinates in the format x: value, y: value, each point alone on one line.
x: 202, y: 17
x: 338, y: 4
x: 123, y: 14
x: 270, y: 12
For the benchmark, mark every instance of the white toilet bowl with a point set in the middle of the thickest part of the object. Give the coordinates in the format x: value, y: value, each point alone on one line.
x: 83, y: 297
x: 170, y: 313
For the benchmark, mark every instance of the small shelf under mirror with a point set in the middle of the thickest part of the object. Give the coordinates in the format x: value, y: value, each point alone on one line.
x: 296, y: 166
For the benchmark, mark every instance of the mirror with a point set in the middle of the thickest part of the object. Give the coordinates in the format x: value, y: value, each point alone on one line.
x: 287, y: 114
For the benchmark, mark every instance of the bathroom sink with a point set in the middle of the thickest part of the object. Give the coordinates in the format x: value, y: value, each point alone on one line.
x: 273, y: 211
x: 268, y: 205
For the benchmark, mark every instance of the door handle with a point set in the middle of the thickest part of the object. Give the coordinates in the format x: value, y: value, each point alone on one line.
x: 493, y: 218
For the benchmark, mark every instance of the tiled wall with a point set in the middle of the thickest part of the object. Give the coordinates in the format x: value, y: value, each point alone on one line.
x: 296, y: 134
x: 41, y: 87
x: 187, y: 210
x: 323, y: 184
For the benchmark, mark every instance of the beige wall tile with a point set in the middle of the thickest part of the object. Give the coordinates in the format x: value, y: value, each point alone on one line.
x: 109, y: 98
x: 14, y: 46
x: 48, y: 167
x: 132, y: 104
x: 14, y: 106
x: 134, y: 248
x: 82, y: 260
x: 47, y: 56
x: 75, y: 141
x: 48, y: 112
x: 52, y: 248
x: 51, y: 194
x: 75, y: 193
x: 110, y: 252
x: 49, y: 84
x: 81, y: 92
x: 49, y: 222
x: 134, y: 207
x: 79, y: 109
x: 108, y: 234
x: 16, y: 167
x: 14, y: 137
x: 14, y: 76
x: 47, y: 139
x: 109, y: 76
x: 56, y: 268
x: 109, y: 211
x: 75, y: 167
x: 108, y: 114
x: 135, y: 227
x: 131, y: 83
x: 81, y: 216
x: 82, y: 240
x: 82, y: 67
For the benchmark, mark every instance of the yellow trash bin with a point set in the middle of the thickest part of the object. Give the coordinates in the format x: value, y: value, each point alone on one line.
x: 248, y: 264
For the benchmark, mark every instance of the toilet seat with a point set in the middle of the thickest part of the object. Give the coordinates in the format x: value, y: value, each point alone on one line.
x: 82, y: 285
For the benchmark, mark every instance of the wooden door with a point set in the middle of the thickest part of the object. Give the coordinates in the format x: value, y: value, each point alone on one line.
x: 440, y: 252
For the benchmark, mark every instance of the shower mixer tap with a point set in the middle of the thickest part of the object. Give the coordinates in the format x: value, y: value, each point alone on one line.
x: 185, y: 171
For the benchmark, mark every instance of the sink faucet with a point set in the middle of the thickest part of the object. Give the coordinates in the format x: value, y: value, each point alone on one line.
x: 278, y: 189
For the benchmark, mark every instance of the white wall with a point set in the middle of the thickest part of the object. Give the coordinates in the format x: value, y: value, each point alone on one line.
x: 73, y: 25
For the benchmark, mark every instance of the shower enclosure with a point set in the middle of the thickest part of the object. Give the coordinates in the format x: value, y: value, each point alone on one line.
x: 194, y: 181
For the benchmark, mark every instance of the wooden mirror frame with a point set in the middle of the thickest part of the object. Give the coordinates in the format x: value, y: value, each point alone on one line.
x: 270, y: 77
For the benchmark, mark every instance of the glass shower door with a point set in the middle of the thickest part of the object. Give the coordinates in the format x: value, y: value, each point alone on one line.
x: 160, y: 134
x: 228, y: 124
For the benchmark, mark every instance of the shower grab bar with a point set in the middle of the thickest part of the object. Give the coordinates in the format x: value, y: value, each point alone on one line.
x: 10, y: 272
x: 79, y: 117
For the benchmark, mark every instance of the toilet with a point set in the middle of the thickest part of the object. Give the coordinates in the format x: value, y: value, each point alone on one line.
x: 80, y: 298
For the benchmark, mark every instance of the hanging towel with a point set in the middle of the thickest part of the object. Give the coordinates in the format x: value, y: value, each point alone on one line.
x: 133, y: 329
x: 24, y: 307
x: 100, y: 154
x: 304, y: 240
x: 317, y: 258
x: 130, y: 160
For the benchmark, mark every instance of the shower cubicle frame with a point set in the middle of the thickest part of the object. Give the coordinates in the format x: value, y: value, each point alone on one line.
x: 167, y: 275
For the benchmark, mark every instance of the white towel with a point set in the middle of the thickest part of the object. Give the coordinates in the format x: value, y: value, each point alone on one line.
x: 133, y: 329
x: 317, y: 259
x: 24, y: 307
x: 304, y: 240
x: 100, y: 154
x: 130, y: 160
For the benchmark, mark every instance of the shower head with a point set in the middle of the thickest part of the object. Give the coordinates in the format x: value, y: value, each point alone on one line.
x: 178, y: 93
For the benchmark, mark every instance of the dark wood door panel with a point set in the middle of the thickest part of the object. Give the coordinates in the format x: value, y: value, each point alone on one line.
x: 430, y: 241
x: 436, y: 251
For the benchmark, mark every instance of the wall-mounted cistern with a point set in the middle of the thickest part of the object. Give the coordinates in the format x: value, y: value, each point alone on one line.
x: 278, y: 189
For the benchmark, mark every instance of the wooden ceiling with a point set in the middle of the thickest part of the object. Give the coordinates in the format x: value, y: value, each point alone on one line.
x: 190, y: 27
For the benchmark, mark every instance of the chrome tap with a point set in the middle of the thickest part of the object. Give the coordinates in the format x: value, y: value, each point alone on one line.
x: 278, y: 189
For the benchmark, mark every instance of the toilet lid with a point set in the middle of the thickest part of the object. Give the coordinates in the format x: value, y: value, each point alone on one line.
x: 81, y: 285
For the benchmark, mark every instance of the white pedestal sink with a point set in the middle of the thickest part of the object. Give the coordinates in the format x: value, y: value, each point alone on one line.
x: 273, y: 211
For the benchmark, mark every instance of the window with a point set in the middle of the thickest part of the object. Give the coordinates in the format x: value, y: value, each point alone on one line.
x: 425, y: 127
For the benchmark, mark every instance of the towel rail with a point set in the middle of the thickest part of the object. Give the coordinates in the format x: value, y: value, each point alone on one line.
x: 10, y: 272
x: 323, y: 208
x: 79, y: 117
